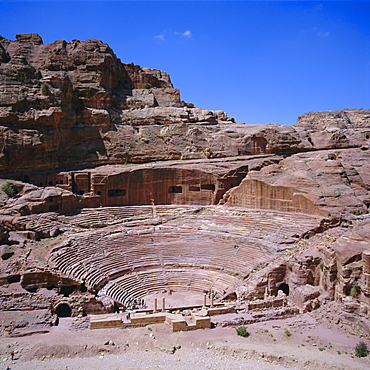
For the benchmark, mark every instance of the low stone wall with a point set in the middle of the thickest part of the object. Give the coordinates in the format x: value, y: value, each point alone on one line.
x: 267, y: 303
x: 106, y: 321
x: 140, y: 319
x: 177, y: 322
x: 220, y: 310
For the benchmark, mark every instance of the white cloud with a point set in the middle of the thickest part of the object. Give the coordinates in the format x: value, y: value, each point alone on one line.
x: 187, y: 34
x: 159, y: 37
x: 323, y: 34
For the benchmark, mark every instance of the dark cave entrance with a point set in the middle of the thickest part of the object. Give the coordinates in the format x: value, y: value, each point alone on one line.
x: 284, y: 288
x: 67, y: 290
x: 63, y: 310
x: 230, y: 297
x: 14, y: 279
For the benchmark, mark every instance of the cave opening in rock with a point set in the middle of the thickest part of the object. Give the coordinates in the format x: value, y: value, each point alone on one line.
x: 14, y: 279
x: 31, y: 289
x: 208, y: 187
x: 230, y: 297
x: 67, y: 290
x: 284, y: 288
x: 63, y: 310
x: 83, y: 287
x: 175, y: 189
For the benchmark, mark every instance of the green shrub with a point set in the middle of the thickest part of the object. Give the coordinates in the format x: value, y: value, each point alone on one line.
x: 8, y: 190
x: 361, y: 349
x: 242, y: 331
x: 45, y: 89
x: 287, y: 333
x: 355, y: 290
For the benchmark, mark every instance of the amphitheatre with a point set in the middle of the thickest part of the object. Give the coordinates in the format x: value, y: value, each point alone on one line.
x: 165, y: 226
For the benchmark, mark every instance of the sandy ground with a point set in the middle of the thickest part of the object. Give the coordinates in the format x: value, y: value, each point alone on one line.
x: 311, y: 345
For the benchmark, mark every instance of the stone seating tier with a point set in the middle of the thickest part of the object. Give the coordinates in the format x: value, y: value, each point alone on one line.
x: 139, y: 285
x: 134, y: 261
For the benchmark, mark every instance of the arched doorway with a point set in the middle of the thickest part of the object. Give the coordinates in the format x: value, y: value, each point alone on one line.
x: 63, y: 310
x: 284, y: 288
x: 230, y: 297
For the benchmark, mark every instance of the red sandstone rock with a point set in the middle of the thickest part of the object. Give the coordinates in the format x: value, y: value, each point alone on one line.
x: 71, y: 97
x: 316, y: 182
x: 74, y: 103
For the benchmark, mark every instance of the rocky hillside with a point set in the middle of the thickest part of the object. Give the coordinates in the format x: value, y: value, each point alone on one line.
x: 75, y: 104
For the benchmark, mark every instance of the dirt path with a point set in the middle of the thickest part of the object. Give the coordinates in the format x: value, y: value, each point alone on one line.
x: 311, y: 345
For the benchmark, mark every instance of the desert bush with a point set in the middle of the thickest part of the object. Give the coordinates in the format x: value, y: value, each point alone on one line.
x: 8, y: 190
x: 287, y: 333
x: 355, y: 290
x: 45, y: 89
x: 361, y: 349
x: 242, y: 331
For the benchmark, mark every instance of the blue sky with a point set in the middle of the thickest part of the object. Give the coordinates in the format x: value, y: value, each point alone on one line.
x: 259, y: 61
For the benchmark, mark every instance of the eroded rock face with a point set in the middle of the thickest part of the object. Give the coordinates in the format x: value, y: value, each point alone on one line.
x: 75, y: 103
x: 322, y: 181
x: 62, y: 102
x: 342, y: 119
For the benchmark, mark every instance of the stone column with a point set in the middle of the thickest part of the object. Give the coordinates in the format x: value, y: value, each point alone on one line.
x: 366, y: 271
x: 163, y: 304
x: 212, y: 298
x: 155, y: 310
x: 366, y: 261
x: 204, y: 300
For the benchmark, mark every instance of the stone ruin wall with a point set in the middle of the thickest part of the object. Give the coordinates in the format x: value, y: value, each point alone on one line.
x: 365, y: 286
x: 257, y: 194
x: 134, y: 186
x: 339, y: 271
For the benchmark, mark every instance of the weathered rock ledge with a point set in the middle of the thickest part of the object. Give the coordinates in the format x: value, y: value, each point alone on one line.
x: 73, y: 104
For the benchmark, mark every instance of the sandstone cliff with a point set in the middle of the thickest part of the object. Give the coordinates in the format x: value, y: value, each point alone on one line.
x: 74, y: 104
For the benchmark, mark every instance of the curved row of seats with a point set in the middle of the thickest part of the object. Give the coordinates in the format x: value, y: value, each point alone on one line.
x: 195, y: 253
x: 140, y: 285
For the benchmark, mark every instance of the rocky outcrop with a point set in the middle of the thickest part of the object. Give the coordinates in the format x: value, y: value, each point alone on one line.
x: 73, y: 104
x: 339, y: 119
x: 61, y: 103
x: 323, y: 181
